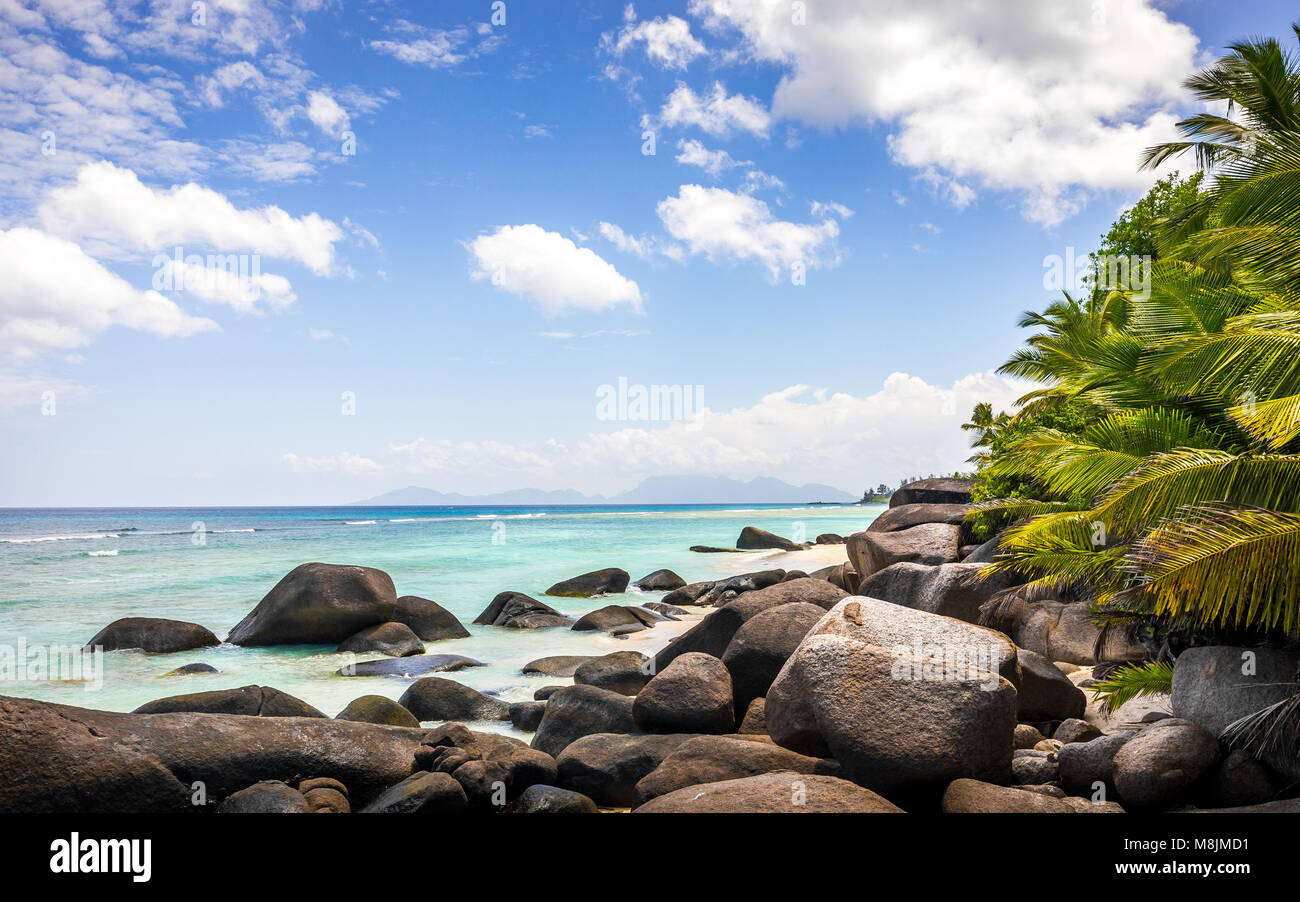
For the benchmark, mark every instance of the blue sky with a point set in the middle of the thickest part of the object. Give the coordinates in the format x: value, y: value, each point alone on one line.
x: 499, y: 246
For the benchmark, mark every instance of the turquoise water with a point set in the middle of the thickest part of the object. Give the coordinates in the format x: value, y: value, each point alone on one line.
x: 64, y: 574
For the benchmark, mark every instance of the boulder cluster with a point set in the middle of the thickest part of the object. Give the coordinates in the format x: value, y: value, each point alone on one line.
x: 882, y: 685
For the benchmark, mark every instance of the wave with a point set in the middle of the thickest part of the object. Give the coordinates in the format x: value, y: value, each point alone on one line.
x: 221, y: 531
x: 359, y: 523
x: 26, y: 540
x: 405, y: 520
x: 112, y: 553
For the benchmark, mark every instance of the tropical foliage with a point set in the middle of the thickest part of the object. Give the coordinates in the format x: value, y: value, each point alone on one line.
x: 1155, y: 467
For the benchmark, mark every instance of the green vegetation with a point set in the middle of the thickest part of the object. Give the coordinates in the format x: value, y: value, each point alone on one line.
x: 1155, y: 468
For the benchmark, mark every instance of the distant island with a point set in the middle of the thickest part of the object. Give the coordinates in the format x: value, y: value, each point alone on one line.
x: 654, y: 490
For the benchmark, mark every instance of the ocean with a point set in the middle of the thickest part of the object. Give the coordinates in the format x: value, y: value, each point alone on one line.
x: 66, y: 573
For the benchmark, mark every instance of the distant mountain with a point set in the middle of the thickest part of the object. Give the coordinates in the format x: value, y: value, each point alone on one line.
x: 654, y: 490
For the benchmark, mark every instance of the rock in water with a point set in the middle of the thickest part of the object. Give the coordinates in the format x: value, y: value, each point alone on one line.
x: 921, y: 705
x: 395, y: 639
x: 783, y: 793
x: 428, y: 619
x: 692, y: 695
x: 252, y: 701
x: 153, y: 635
x: 540, y: 799
x: 933, y: 491
x: 1157, y: 767
x: 515, y: 610
x: 610, y: 581
x: 660, y: 581
x: 191, y: 669
x: 752, y: 539
x: 577, y: 711
x: 435, y: 698
x: 319, y: 604
x: 557, y: 665
x: 410, y: 666
x: 624, y: 672
x: 608, y: 618
x: 378, y: 709
x: 527, y: 715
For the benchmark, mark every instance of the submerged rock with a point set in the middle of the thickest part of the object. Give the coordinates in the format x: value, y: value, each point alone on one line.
x: 191, y: 669
x: 557, y: 665
x: 153, y: 635
x: 414, y: 665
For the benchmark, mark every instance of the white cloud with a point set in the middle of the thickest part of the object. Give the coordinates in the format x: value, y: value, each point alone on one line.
x: 344, y: 462
x: 644, y: 246
x: 436, y: 48
x: 221, y: 285
x: 327, y: 335
x: 54, y: 296
x: 111, y: 210
x: 724, y: 225
x: 668, y: 41
x: 214, y: 88
x: 1053, y: 100
x: 831, y: 208
x: 906, y: 427
x: 714, y: 162
x: 528, y: 261
x: 324, y: 111
x: 719, y: 113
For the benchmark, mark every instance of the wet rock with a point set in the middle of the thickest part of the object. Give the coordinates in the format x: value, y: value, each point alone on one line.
x: 428, y: 619
x: 436, y: 698
x: 557, y: 665
x: 153, y: 635
x: 610, y: 581
x: 515, y: 610
x: 660, y: 581
x: 395, y: 639
x: 318, y: 604
x: 413, y: 665
x: 191, y: 669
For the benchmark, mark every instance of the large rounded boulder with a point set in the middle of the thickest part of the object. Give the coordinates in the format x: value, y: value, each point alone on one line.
x: 154, y: 635
x: 428, y: 619
x: 692, y: 695
x: 903, y: 700
x: 610, y: 581
x: 577, y: 711
x: 319, y: 604
x: 1160, y: 765
x: 712, y: 759
x: 779, y: 793
x: 660, y: 581
x: 251, y: 701
x: 393, y: 639
x: 929, y: 543
x: 942, y: 490
x: 760, y: 648
x: 378, y: 709
x: 908, y: 515
x: 754, y: 539
x: 436, y: 698
x: 624, y: 672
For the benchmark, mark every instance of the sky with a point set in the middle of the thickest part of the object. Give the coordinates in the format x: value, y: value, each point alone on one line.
x: 279, y: 252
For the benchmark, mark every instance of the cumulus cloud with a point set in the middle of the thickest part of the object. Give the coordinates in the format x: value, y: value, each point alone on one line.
x: 109, y: 210
x: 528, y: 261
x: 436, y: 48
x: 217, y: 284
x: 668, y: 41
x: 1053, y: 99
x: 714, y: 162
x: 718, y: 113
x: 54, y: 296
x: 907, y: 426
x: 324, y: 111
x: 344, y: 462
x: 726, y: 225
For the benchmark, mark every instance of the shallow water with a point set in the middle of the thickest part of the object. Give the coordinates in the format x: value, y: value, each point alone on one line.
x: 64, y: 574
